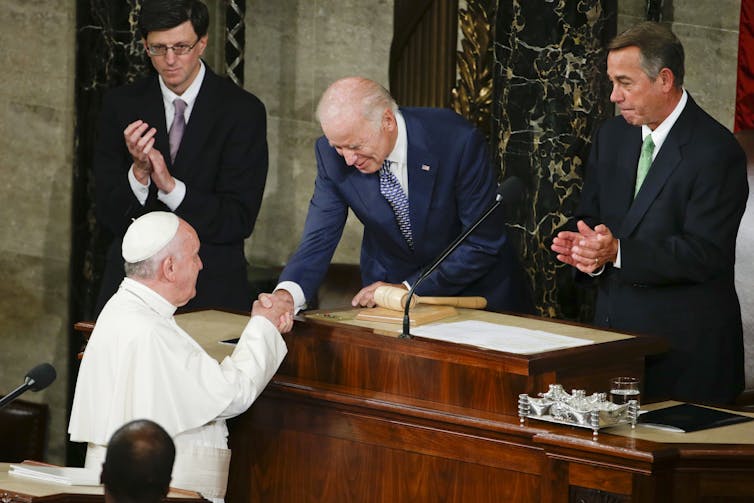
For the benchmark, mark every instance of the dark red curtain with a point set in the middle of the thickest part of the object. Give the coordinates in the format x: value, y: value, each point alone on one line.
x: 745, y: 81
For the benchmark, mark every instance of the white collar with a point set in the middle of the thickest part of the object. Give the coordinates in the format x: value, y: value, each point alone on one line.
x: 661, y: 131
x: 152, y: 299
x: 190, y: 94
x: 400, y: 150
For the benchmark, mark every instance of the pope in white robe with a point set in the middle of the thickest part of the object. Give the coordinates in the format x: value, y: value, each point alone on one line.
x: 139, y: 364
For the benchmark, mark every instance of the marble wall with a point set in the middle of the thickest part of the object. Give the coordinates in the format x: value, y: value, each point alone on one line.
x: 550, y: 95
x: 36, y: 145
x: 294, y: 49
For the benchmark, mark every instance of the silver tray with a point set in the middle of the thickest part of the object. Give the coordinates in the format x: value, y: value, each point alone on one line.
x: 577, y: 409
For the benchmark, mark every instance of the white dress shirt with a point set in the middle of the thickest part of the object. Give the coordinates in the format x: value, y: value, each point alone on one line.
x: 174, y: 198
x: 658, y: 138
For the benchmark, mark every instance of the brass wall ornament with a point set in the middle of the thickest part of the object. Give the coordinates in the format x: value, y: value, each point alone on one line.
x: 472, y: 95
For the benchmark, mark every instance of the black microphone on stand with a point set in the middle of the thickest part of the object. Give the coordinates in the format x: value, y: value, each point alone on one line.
x: 36, y: 379
x: 510, y: 192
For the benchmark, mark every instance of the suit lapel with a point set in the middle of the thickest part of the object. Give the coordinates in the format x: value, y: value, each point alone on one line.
x: 198, y: 127
x: 153, y: 113
x: 422, y: 174
x: 666, y: 162
x: 367, y: 187
x: 372, y: 204
x: 625, y: 179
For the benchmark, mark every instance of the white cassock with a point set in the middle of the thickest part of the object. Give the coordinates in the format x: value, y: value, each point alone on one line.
x: 139, y: 364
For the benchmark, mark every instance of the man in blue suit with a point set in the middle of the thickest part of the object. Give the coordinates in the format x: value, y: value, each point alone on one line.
x: 437, y: 166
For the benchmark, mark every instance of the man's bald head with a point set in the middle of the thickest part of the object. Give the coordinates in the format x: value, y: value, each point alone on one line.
x: 355, y: 97
x: 138, y: 463
x: 359, y: 119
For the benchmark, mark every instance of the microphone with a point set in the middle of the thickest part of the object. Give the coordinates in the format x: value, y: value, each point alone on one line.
x: 510, y: 192
x: 36, y: 379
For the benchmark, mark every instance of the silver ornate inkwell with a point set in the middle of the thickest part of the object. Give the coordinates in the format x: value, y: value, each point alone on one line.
x: 577, y: 409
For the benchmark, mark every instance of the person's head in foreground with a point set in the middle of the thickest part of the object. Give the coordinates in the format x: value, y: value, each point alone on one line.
x: 138, y: 463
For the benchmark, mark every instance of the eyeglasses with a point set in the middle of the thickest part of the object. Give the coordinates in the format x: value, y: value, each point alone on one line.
x: 178, y: 49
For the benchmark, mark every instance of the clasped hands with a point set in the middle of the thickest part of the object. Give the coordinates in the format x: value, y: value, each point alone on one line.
x: 276, y: 307
x: 148, y: 161
x: 588, y: 249
x: 280, y: 302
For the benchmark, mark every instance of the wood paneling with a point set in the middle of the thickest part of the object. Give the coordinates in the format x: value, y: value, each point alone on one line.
x: 423, y: 52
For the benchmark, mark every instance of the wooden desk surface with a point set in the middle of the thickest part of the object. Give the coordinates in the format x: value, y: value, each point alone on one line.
x: 348, y: 317
x: 738, y: 434
x: 210, y: 327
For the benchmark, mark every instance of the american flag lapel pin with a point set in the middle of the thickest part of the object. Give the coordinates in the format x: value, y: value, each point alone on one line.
x: 425, y: 167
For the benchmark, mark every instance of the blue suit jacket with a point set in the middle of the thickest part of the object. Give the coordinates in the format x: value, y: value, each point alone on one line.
x: 451, y: 182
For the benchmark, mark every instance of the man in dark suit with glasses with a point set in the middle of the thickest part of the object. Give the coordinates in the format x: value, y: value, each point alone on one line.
x: 187, y: 141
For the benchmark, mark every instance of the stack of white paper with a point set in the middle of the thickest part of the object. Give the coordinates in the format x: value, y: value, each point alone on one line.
x: 57, y: 474
x: 498, y: 337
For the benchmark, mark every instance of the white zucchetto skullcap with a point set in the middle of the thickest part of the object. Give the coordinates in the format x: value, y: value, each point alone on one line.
x: 148, y: 234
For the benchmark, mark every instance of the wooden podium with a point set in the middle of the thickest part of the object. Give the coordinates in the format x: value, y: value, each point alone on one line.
x: 355, y: 414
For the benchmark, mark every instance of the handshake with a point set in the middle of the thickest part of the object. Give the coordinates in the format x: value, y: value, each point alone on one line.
x: 277, y: 307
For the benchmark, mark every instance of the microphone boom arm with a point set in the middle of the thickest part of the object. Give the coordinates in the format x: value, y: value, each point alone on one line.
x: 16, y: 392
x: 406, y: 334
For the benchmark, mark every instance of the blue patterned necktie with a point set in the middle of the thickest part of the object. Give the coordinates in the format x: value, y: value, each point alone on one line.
x: 393, y: 192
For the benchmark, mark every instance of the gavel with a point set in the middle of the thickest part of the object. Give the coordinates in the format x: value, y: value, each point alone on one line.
x: 392, y: 297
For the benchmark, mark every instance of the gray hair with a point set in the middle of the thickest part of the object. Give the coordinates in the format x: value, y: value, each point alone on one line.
x: 144, y: 269
x: 356, y: 94
x: 658, y: 46
x: 147, y: 268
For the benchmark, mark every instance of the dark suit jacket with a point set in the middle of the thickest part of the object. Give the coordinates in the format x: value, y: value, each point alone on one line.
x: 451, y: 182
x: 677, y: 241
x: 223, y: 162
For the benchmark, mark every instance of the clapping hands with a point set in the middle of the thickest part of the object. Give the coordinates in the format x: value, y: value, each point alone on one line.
x: 588, y: 249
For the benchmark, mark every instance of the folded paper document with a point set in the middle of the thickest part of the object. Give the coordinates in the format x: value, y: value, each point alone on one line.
x: 57, y: 474
x: 499, y: 337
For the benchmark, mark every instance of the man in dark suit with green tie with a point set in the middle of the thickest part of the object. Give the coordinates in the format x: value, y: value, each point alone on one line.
x: 665, y: 188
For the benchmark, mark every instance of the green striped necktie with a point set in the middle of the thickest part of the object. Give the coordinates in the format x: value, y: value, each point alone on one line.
x: 645, y: 161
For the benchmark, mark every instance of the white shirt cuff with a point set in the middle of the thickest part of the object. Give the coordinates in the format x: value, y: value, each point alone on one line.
x: 174, y: 198
x: 598, y: 271
x: 616, y: 264
x: 299, y: 301
x: 140, y: 191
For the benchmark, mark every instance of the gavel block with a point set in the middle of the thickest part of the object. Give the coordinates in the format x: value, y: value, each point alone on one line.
x: 392, y: 297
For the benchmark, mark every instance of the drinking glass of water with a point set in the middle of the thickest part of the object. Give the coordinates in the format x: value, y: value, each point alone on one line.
x: 623, y: 389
